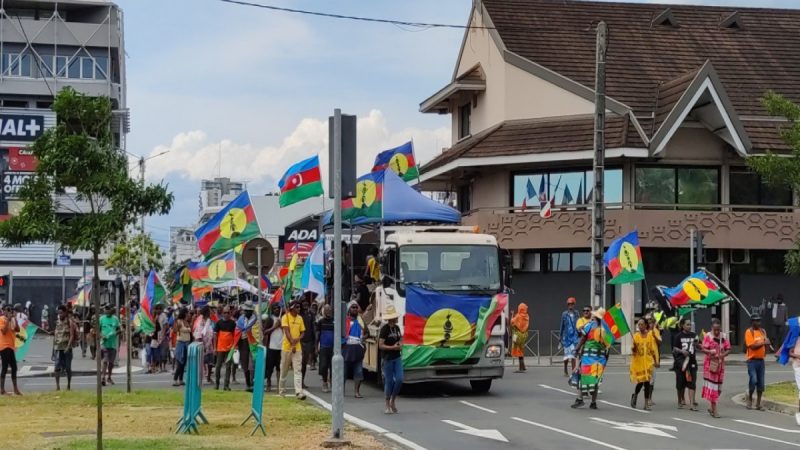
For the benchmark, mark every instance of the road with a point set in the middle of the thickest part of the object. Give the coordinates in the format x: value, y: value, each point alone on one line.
x: 531, y: 411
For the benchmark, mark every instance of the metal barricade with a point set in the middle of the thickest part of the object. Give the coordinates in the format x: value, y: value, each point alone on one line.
x: 534, y: 334
x: 559, y: 350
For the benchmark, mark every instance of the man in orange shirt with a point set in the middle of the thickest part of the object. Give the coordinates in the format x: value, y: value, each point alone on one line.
x: 8, y: 336
x: 756, y: 342
x: 224, y: 328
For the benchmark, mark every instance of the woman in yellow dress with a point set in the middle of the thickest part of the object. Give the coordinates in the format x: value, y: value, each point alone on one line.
x: 644, y: 359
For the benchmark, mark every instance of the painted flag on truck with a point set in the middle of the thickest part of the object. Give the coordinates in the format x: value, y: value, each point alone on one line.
x: 624, y: 259
x: 447, y: 327
x: 301, y: 181
x: 400, y: 159
x: 235, y: 224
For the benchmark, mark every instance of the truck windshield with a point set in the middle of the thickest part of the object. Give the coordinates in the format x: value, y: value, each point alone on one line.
x: 451, y: 267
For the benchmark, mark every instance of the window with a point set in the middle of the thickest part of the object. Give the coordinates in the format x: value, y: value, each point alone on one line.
x: 581, y: 261
x: 464, y: 113
x: 559, y: 262
x: 566, y: 188
x: 747, y: 188
x: 471, y: 268
x: 61, y: 66
x: 87, y: 68
x: 101, y: 68
x: 463, y: 198
x: 677, y: 185
x: 16, y: 65
x: 74, y: 69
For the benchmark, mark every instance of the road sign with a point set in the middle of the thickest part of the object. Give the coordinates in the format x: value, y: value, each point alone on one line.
x: 250, y: 256
x: 63, y: 260
x: 488, y: 434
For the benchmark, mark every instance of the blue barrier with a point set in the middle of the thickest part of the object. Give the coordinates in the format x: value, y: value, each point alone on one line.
x: 193, y: 392
x: 257, y: 404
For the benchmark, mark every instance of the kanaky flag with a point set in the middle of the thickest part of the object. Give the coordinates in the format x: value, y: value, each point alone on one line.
x: 368, y: 199
x: 301, y: 181
x: 215, y: 271
x: 695, y: 291
x: 154, y: 293
x: 235, y: 224
x: 615, y: 324
x: 400, y: 160
x: 624, y: 259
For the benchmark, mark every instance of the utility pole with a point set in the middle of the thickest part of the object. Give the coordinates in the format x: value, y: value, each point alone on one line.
x: 691, y: 262
x: 598, y: 216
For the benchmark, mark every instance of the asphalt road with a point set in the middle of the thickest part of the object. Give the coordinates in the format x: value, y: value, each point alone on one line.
x: 531, y: 411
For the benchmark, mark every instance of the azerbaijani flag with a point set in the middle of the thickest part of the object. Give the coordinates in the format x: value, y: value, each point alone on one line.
x: 624, y: 259
x: 400, y: 160
x: 154, y: 293
x: 215, y: 271
x: 447, y: 327
x: 235, y: 224
x: 24, y: 338
x: 615, y: 324
x: 695, y: 291
x: 301, y: 181
x: 368, y: 199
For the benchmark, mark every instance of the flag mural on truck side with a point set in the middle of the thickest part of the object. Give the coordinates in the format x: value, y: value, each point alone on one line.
x: 447, y: 327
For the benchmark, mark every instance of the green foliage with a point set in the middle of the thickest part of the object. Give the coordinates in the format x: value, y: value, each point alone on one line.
x: 80, y: 195
x: 783, y: 170
x: 126, y: 257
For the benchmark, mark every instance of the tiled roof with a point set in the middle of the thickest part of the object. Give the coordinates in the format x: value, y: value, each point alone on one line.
x: 536, y: 136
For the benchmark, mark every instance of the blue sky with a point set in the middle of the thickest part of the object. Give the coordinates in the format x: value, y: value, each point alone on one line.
x: 206, y: 78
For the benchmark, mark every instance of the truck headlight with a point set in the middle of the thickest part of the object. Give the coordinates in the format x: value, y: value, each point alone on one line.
x: 494, y: 351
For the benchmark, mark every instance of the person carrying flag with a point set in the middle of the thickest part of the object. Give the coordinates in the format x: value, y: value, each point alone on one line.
x: 593, y: 348
x: 244, y: 326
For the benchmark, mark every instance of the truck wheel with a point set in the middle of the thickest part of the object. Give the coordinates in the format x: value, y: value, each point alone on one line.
x: 480, y: 386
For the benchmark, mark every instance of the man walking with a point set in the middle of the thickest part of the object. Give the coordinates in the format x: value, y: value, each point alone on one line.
x: 756, y: 341
x: 274, y: 336
x: 64, y: 338
x: 780, y: 318
x: 245, y: 324
x: 569, y: 335
x: 224, y: 329
x: 109, y: 331
x: 309, y: 337
x: 353, y: 348
x: 291, y: 351
x: 325, y: 345
x: 684, y: 348
x: 8, y: 337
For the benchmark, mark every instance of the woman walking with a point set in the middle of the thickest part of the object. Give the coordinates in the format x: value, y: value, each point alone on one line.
x: 182, y: 331
x: 593, y: 349
x: 519, y: 334
x: 645, y: 358
x: 716, y: 347
x: 390, y: 342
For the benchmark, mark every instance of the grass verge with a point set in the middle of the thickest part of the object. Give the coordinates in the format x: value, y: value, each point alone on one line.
x: 785, y: 392
x: 146, y: 419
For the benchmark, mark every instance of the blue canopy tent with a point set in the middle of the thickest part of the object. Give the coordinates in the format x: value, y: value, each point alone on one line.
x: 402, y: 203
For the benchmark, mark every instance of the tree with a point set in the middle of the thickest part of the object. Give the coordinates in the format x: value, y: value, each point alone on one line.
x: 783, y: 170
x: 131, y: 256
x: 80, y: 195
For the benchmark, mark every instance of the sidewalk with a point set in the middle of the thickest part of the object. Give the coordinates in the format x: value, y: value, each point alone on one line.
x: 38, y: 362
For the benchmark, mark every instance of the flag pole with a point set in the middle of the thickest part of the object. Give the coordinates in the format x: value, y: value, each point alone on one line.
x: 416, y: 164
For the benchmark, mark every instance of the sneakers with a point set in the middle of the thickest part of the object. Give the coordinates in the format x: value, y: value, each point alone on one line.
x: 578, y: 403
x: 325, y: 388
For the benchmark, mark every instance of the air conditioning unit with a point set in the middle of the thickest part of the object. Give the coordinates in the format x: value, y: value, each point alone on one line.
x: 712, y: 256
x: 740, y: 256
x: 516, y: 259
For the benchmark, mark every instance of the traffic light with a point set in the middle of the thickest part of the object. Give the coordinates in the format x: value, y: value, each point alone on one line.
x: 4, y: 282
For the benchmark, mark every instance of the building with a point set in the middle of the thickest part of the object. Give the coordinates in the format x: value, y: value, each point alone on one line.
x: 46, y: 45
x: 684, y: 113
x: 216, y: 194
x: 182, y: 244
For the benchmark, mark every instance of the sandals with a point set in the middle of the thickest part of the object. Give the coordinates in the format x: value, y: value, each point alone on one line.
x: 712, y: 414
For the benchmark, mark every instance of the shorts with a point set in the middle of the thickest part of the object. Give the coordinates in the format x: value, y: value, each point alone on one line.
x: 208, y: 358
x: 64, y: 361
x: 109, y: 355
x: 309, y: 348
x: 354, y: 370
x: 686, y: 379
x: 569, y: 352
x: 325, y: 359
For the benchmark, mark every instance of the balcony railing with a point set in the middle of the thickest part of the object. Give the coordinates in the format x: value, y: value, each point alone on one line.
x: 659, y: 225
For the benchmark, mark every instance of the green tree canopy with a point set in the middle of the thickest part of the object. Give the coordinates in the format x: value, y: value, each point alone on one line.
x: 135, y: 254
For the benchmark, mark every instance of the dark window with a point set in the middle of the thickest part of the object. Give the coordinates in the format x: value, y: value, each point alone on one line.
x: 463, y: 199
x: 698, y: 186
x: 747, y: 188
x: 87, y: 68
x: 559, y: 262
x: 101, y: 68
x: 566, y: 188
x: 581, y: 261
x: 74, y: 70
x: 677, y: 185
x: 464, y: 113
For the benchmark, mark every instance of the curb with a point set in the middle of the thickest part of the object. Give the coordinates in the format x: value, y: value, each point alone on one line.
x: 769, y: 405
x: 49, y: 372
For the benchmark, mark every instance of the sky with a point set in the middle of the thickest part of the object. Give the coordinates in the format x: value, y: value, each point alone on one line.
x: 243, y: 92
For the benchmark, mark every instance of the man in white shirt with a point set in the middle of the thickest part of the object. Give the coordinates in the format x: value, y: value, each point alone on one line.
x: 273, y: 334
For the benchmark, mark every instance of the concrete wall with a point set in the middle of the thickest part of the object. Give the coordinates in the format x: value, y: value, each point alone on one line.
x: 690, y: 145
x: 491, y: 189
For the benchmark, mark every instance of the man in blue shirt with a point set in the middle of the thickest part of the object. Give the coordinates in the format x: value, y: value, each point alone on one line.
x: 569, y: 334
x: 325, y: 345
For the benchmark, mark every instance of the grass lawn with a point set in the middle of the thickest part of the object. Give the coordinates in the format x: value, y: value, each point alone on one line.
x: 785, y: 392
x: 146, y: 419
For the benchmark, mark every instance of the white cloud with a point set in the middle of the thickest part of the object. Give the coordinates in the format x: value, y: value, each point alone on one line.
x: 192, y: 156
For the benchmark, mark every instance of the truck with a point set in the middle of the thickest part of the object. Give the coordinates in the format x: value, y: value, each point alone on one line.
x: 461, y: 264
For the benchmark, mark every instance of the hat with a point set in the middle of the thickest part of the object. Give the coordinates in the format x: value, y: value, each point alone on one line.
x: 352, y: 302
x: 599, y: 313
x: 755, y: 318
x: 571, y: 300
x: 390, y: 313
x: 248, y: 306
x: 18, y: 307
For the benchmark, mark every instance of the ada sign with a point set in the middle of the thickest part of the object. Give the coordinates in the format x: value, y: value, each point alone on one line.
x: 302, y: 235
x: 17, y: 127
x: 13, y: 181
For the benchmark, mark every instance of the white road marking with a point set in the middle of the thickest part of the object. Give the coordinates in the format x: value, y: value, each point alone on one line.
x: 653, y: 429
x: 767, y: 426
x: 557, y: 389
x: 478, y: 407
x: 368, y: 425
x: 567, y: 433
x: 605, y: 402
x: 486, y: 433
x: 793, y: 444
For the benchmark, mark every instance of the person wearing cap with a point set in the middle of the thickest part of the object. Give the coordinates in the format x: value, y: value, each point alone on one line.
x: 291, y: 350
x: 244, y: 325
x: 353, y: 348
x: 684, y: 349
x: 569, y: 335
x: 593, y: 349
x: 390, y: 342
x: 756, y: 342
x: 109, y: 337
